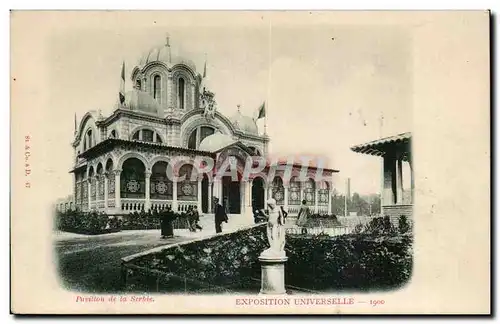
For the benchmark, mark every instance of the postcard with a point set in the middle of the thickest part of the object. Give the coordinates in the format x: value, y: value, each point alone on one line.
x: 250, y: 162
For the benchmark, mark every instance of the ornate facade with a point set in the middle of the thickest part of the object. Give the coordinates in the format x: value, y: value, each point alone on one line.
x: 121, y: 160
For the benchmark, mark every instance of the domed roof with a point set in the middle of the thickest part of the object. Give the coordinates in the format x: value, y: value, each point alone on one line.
x: 215, y: 142
x: 141, y: 101
x: 244, y: 123
x: 163, y: 53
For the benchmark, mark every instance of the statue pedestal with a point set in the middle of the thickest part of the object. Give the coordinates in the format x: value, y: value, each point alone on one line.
x: 272, y: 274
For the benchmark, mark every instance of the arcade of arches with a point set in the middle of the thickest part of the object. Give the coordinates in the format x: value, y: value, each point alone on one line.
x: 139, y: 186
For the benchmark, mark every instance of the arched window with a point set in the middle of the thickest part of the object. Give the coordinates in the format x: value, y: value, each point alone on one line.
x: 205, y: 132
x: 88, y: 140
x: 187, y: 189
x: 324, y: 192
x: 138, y: 84
x: 192, y: 143
x: 89, y: 134
x: 147, y: 135
x: 132, y: 179
x: 181, y: 93
x: 157, y: 88
x: 160, y: 184
x: 294, y: 192
x: 255, y: 151
x: 198, y: 135
x: 111, y: 183
x: 309, y: 191
x: 278, y: 190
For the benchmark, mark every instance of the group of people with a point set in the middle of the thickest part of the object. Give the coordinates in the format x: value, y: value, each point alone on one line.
x: 271, y: 214
x: 193, y: 218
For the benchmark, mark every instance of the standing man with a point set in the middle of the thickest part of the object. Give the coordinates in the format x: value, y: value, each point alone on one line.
x: 220, y: 215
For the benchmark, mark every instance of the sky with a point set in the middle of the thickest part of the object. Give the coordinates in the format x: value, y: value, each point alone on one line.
x: 326, y: 86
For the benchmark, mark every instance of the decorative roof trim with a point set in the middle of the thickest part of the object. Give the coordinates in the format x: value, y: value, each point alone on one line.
x: 380, y: 147
x: 108, y: 144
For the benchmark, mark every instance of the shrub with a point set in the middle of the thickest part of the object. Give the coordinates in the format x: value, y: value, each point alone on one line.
x: 380, y: 226
x: 358, y: 229
x: 84, y: 223
x: 403, y: 225
x: 318, y: 262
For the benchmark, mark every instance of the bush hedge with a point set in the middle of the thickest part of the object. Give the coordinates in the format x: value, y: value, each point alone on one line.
x: 348, y: 262
x: 94, y: 222
x: 86, y: 223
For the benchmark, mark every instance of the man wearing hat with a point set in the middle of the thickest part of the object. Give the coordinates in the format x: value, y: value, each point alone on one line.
x: 220, y: 215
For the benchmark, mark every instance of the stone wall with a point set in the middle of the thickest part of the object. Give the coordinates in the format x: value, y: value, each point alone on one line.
x: 395, y: 211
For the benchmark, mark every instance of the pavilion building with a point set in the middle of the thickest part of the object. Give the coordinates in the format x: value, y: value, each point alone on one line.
x: 121, y: 160
x: 394, y: 150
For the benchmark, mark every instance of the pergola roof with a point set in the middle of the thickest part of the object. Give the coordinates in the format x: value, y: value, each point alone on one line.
x: 380, y: 147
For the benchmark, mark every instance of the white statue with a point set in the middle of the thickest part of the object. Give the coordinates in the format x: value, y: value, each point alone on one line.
x: 275, y: 231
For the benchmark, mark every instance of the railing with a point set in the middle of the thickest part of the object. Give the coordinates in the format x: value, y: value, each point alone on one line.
x: 160, y: 204
x: 322, y: 209
x: 100, y: 204
x: 183, y: 206
x: 293, y: 209
x: 132, y: 204
x: 331, y: 231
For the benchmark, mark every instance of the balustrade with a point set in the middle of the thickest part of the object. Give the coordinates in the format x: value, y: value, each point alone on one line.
x: 160, y: 204
x: 132, y: 205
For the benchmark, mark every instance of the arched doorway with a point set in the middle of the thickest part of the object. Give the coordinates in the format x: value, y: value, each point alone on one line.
x: 231, y: 195
x: 258, y: 193
x: 132, y: 179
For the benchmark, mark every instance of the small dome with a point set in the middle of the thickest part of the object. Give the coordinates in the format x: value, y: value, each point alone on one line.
x: 141, y: 101
x: 244, y: 123
x: 215, y: 142
x: 163, y: 53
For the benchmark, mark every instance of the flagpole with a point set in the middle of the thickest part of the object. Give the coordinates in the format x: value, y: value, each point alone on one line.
x: 381, y: 124
x: 268, y: 78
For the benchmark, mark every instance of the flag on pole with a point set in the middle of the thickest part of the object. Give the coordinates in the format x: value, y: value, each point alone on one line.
x: 261, y: 113
x: 122, y: 85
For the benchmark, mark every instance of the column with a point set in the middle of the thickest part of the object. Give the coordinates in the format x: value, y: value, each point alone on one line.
x: 175, y: 205
x: 96, y: 185
x: 243, y: 201
x: 266, y: 194
x: 399, y: 181
x: 247, y: 198
x: 316, y: 198
x: 106, y: 174
x: 147, y: 203
x: 199, y: 196
x: 389, y: 183
x: 330, y: 200
x: 89, y: 192
x: 218, y: 190
x: 210, y: 196
x: 285, y: 203
x: 118, y: 204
